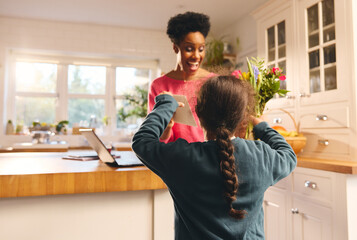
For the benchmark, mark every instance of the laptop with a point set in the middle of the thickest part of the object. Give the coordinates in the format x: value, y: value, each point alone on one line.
x: 123, y: 159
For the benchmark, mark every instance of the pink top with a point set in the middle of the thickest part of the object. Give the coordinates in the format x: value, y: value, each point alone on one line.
x: 180, y: 87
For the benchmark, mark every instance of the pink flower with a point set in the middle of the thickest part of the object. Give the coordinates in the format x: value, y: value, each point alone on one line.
x: 282, y: 77
x: 275, y: 69
x: 237, y: 73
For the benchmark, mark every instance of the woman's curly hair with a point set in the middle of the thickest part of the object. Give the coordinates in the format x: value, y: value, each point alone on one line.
x: 182, y: 24
x: 224, y: 104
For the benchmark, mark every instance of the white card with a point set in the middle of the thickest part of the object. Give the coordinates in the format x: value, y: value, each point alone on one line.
x: 184, y: 114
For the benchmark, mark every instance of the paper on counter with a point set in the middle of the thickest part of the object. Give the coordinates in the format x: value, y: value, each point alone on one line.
x: 184, y: 114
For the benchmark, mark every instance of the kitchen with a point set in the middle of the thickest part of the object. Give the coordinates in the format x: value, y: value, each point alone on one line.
x: 81, y: 40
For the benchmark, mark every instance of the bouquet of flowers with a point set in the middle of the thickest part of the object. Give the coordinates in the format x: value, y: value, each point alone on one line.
x: 265, y: 82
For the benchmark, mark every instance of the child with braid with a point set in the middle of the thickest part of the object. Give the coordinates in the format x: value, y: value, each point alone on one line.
x: 218, y: 185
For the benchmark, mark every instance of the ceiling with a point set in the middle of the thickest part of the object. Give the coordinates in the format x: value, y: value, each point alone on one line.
x: 143, y: 14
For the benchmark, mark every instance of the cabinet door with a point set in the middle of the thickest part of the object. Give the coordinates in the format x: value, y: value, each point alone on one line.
x: 275, y: 44
x: 310, y: 221
x: 324, y: 70
x: 275, y: 218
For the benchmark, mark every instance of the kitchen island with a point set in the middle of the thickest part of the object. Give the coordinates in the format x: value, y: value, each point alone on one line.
x: 39, y: 200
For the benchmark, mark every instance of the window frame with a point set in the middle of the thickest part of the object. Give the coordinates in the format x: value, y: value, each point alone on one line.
x: 62, y: 95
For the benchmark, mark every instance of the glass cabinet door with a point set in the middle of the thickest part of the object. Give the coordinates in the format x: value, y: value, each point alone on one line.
x: 324, y: 56
x: 276, y: 50
x: 321, y: 46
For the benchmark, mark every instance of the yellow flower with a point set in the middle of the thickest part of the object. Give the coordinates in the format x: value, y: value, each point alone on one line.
x: 246, y: 76
x: 43, y: 124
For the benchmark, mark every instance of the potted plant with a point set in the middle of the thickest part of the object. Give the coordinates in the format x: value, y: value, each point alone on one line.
x: 137, y: 104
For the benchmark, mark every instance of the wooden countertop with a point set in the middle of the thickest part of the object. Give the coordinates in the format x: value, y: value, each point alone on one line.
x: 36, y: 174
x: 347, y: 167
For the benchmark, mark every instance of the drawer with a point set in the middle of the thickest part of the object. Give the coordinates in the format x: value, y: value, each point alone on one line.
x: 279, y: 118
x: 332, y: 117
x: 327, y: 143
x: 313, y: 186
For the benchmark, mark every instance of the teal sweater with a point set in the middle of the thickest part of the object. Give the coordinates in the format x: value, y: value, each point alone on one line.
x: 192, y: 174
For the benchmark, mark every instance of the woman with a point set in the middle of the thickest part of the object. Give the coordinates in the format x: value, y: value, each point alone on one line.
x: 187, y: 32
x: 217, y: 186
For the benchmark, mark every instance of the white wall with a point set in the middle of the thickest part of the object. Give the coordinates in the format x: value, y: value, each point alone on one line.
x: 246, y: 30
x: 79, y: 39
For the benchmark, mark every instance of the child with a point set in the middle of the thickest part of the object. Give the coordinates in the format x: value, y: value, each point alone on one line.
x: 218, y: 185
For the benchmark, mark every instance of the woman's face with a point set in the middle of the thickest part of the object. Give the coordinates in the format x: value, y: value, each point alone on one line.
x: 191, y: 51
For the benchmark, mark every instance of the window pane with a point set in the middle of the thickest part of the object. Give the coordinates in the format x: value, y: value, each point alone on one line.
x: 124, y: 119
x: 281, y: 33
x: 313, y: 25
x: 36, y: 77
x: 30, y: 109
x: 328, y: 12
x: 128, y: 78
x: 314, y: 59
x: 86, y: 79
x: 312, y: 19
x: 315, y: 81
x: 271, y: 44
x: 330, y: 54
x: 330, y: 78
x: 82, y: 110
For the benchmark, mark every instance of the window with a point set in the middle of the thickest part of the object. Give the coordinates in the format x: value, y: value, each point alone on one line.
x: 49, y: 89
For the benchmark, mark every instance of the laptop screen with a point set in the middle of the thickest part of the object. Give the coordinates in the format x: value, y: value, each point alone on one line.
x: 97, y: 145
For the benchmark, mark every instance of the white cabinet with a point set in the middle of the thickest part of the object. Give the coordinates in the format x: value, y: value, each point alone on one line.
x: 319, y: 70
x: 311, y: 221
x: 313, y: 204
x: 276, y: 202
x: 275, y: 40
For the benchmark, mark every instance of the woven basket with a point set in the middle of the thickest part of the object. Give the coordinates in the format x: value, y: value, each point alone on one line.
x: 297, y: 143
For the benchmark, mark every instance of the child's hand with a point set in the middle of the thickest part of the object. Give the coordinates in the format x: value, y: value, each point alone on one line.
x: 181, y: 104
x: 256, y: 120
x: 166, y: 134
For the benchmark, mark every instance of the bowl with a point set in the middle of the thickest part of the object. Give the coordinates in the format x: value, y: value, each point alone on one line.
x: 297, y: 143
x: 41, y: 136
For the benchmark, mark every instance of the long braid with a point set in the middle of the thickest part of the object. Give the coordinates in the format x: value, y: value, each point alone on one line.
x: 223, y: 104
x: 228, y: 170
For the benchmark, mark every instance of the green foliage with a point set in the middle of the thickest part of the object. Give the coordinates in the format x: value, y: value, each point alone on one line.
x: 265, y: 81
x: 137, y: 104
x: 214, y: 53
x: 61, y: 125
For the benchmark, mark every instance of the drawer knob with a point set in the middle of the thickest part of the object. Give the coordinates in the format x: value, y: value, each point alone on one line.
x: 295, y: 211
x: 323, y: 142
x: 321, y: 118
x: 304, y: 95
x: 309, y: 184
x: 277, y: 120
x: 289, y: 97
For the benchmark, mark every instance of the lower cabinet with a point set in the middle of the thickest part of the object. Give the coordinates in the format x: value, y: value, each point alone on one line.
x: 312, y: 205
x: 311, y: 221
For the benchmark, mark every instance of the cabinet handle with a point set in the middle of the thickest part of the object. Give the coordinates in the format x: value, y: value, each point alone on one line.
x: 295, y: 211
x: 321, y: 118
x: 323, y: 142
x: 277, y: 120
x: 289, y: 97
x: 304, y: 95
x: 270, y: 204
x: 311, y: 185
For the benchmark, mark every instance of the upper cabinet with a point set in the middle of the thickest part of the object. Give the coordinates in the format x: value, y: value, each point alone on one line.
x: 275, y: 45
x: 313, y: 41
x: 323, y: 60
